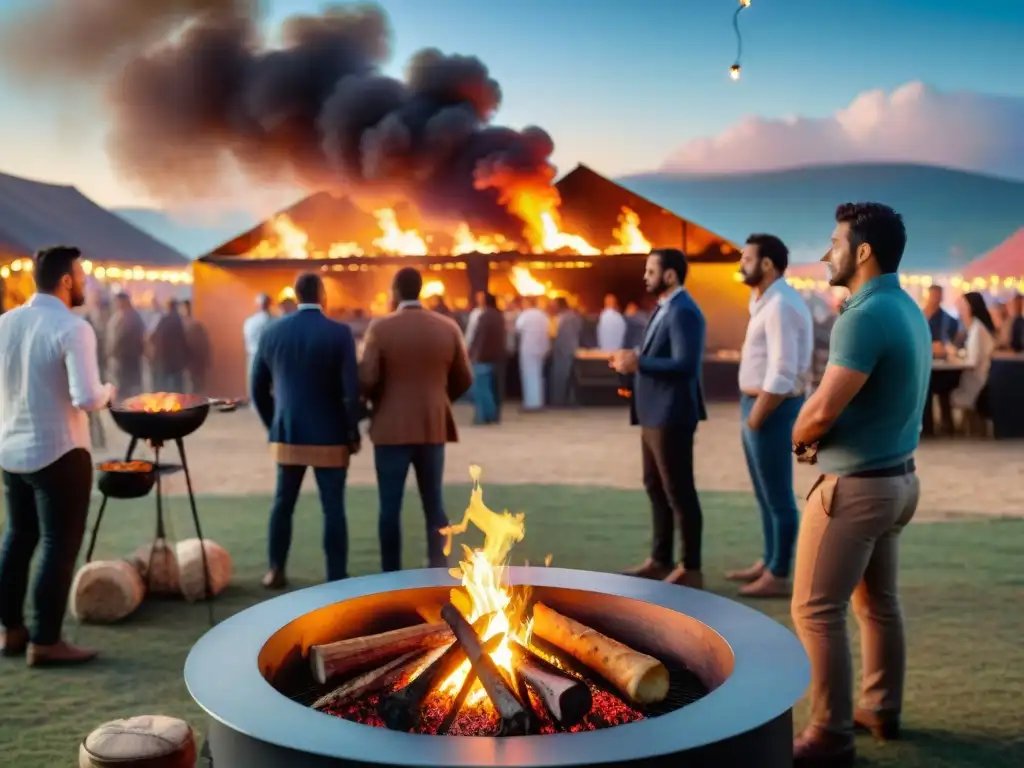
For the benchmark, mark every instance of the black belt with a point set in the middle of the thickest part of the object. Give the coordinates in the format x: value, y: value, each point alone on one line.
x: 897, y: 470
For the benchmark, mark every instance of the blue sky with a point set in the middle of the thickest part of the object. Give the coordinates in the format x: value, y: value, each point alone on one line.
x: 620, y: 85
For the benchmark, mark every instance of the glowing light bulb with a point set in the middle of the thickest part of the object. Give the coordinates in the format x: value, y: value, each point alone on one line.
x: 734, y: 71
x: 745, y: 3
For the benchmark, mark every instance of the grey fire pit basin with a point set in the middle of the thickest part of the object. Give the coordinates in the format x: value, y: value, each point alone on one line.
x: 754, y: 668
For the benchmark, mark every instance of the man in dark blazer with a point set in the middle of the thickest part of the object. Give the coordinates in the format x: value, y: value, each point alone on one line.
x: 668, y: 403
x: 305, y: 388
x: 414, y: 366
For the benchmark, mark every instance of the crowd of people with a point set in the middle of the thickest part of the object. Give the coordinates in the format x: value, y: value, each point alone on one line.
x: 312, y: 387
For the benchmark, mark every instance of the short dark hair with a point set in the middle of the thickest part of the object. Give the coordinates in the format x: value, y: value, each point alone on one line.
x: 51, y: 264
x: 308, y: 287
x: 490, y: 300
x: 772, y: 248
x: 408, y: 283
x: 880, y: 227
x: 674, y: 259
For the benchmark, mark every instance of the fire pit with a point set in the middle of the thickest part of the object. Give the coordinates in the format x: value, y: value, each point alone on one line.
x: 496, y: 666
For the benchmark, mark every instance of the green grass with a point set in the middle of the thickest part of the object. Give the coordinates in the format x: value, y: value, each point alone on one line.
x: 962, y: 588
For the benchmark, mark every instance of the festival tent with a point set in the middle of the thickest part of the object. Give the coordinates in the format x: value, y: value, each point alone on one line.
x: 35, y: 215
x: 1004, y: 262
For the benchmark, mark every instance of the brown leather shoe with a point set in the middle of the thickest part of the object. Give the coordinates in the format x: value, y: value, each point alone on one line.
x: 746, y: 575
x: 13, y: 642
x: 767, y: 586
x: 274, y: 579
x: 884, y: 726
x: 684, y: 578
x: 649, y: 569
x: 61, y: 653
x: 815, y: 748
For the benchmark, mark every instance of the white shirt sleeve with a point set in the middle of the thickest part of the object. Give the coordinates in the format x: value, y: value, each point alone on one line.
x: 782, y: 374
x: 88, y: 393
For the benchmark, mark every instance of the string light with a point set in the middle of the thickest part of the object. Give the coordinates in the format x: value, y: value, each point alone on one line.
x: 734, y: 70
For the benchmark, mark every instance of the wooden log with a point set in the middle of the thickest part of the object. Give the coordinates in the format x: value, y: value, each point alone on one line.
x: 402, y: 709
x: 515, y: 719
x: 332, y: 659
x: 567, y: 698
x: 641, y: 678
x: 378, y: 678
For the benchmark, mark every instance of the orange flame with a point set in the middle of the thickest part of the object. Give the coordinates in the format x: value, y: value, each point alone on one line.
x: 432, y: 288
x: 484, y: 580
x: 394, y: 240
x: 525, y: 283
x: 536, y: 206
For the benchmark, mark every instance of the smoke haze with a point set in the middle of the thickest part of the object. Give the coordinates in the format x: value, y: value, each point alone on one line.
x: 195, y: 93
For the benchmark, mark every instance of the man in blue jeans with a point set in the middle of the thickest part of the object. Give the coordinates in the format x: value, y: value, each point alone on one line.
x: 305, y: 388
x: 774, y: 370
x: 414, y: 366
x: 488, y: 352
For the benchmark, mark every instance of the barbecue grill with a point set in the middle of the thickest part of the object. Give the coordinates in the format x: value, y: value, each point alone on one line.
x: 158, y: 419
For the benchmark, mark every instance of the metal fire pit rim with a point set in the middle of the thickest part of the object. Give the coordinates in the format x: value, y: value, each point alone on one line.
x: 770, y: 674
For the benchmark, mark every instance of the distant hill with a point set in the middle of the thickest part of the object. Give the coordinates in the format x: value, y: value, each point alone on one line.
x: 951, y: 216
x: 191, y: 238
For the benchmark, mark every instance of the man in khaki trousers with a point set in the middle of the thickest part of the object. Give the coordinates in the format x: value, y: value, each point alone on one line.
x: 861, y: 426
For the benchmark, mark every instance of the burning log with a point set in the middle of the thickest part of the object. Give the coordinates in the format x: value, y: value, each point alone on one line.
x: 333, y: 659
x: 401, y: 710
x: 515, y: 720
x: 567, y: 698
x: 467, y: 685
x: 379, y: 678
x: 641, y: 678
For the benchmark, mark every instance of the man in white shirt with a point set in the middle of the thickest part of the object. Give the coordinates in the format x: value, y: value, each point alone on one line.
x: 49, y: 382
x: 533, y: 326
x: 252, y: 329
x: 611, y: 326
x: 775, y: 369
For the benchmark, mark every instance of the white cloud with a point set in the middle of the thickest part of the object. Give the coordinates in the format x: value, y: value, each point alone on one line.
x: 913, y: 124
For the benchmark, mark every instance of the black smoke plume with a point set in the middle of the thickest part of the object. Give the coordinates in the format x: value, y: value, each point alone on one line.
x: 195, y: 92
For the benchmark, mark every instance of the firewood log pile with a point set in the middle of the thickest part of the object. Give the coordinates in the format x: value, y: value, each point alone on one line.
x: 109, y: 591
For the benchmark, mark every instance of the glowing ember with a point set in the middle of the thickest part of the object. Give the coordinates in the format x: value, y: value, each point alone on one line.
x: 396, y: 241
x: 484, y: 584
x: 156, y: 402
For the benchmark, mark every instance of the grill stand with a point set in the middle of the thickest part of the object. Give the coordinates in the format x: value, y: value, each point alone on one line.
x: 160, y: 525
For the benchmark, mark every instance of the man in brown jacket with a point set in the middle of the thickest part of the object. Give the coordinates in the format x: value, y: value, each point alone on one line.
x: 414, y: 366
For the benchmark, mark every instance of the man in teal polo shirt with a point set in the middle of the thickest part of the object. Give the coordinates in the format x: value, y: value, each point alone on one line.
x: 862, y: 426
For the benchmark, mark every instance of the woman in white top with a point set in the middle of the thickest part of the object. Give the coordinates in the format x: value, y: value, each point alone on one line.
x: 979, y: 346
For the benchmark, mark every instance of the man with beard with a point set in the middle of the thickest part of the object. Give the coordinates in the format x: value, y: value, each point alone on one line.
x: 864, y: 421
x: 774, y: 375
x: 667, y: 404
x: 49, y: 383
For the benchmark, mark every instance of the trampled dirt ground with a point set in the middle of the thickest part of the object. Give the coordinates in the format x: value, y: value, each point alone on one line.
x: 229, y: 456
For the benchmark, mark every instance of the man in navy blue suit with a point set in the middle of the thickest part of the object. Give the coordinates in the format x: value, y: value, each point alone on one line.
x: 667, y: 404
x: 305, y: 388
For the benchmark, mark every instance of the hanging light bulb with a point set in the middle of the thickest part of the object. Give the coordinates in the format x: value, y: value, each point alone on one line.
x: 734, y: 70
